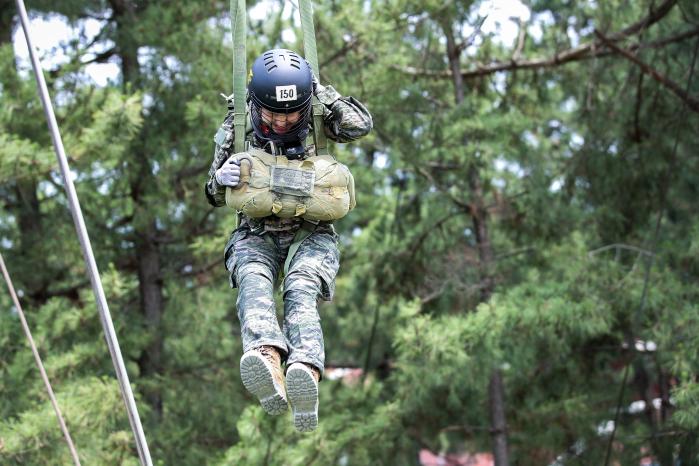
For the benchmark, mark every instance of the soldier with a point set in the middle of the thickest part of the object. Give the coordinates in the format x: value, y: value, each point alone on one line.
x: 279, y: 105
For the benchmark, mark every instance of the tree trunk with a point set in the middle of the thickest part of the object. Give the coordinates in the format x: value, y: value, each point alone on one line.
x: 7, y: 14
x: 479, y: 217
x: 138, y: 169
x: 23, y: 202
x: 150, y: 286
x: 498, y: 424
x: 480, y: 227
x: 31, y: 237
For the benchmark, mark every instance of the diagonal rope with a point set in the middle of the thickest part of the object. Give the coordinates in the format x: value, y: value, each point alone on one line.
x: 650, y: 261
x: 37, y: 358
x: 101, y: 300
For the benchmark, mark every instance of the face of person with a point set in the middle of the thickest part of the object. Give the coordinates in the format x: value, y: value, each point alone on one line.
x: 279, y: 122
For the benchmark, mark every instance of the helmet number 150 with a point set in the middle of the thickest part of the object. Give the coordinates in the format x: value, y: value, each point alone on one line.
x: 286, y: 93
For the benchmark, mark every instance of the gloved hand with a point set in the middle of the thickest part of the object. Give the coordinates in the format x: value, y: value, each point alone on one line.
x: 229, y: 173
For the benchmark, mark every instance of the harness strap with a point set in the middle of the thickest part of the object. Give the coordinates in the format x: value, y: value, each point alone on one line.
x: 309, y: 47
x: 240, y: 118
x: 301, y: 234
x: 238, y: 15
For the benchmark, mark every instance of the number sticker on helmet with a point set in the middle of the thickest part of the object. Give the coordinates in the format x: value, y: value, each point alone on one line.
x: 286, y: 93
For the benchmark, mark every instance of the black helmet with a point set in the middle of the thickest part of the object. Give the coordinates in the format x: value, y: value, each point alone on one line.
x: 281, y: 82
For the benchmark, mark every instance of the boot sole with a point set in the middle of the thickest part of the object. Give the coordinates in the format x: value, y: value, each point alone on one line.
x: 302, y: 390
x: 258, y: 380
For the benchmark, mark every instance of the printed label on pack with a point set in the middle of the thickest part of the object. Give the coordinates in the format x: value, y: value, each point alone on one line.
x: 292, y: 181
x: 286, y: 93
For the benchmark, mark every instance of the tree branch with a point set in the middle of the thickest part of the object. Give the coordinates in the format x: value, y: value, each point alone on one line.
x: 472, y: 37
x: 202, y: 268
x: 583, y: 52
x: 416, y: 244
x: 125, y: 220
x: 101, y: 57
x: 466, y: 206
x: 344, y: 50
x: 691, y: 101
x: 520, y: 40
x: 592, y: 49
x: 68, y: 292
x: 619, y: 246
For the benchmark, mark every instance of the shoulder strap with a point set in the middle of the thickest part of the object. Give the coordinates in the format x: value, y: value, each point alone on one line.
x: 309, y: 47
x: 238, y: 15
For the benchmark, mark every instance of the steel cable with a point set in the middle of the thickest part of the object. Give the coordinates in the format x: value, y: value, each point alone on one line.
x: 101, y: 300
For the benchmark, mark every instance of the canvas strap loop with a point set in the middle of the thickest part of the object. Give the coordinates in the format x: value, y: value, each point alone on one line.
x: 301, y: 234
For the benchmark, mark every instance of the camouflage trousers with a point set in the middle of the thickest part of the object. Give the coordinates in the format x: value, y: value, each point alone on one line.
x: 255, y: 259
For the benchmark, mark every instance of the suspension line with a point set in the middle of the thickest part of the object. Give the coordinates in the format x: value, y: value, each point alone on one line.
x: 40, y: 365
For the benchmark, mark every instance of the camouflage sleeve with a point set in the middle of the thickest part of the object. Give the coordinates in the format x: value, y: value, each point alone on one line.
x: 215, y: 193
x: 345, y: 118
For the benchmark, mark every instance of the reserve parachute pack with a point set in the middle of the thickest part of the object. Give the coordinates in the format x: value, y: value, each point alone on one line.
x: 318, y: 188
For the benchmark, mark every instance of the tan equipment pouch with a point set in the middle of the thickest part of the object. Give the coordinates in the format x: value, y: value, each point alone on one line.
x: 318, y: 188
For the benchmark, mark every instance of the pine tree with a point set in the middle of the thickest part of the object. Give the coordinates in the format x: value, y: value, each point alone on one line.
x: 564, y: 148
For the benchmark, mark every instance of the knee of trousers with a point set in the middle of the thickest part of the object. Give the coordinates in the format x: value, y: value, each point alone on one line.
x: 298, y: 283
x: 300, y: 299
x: 255, y: 292
x: 254, y: 272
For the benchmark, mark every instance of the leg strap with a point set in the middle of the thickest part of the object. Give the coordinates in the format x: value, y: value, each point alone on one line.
x: 304, y: 232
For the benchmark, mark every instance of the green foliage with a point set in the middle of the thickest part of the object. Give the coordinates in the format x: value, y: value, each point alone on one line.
x: 22, y: 158
x: 93, y: 410
x: 575, y: 162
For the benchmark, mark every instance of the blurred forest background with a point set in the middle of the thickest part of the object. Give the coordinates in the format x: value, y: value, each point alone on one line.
x: 519, y: 277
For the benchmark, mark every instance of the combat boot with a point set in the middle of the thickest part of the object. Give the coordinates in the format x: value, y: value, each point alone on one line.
x: 302, y: 389
x: 261, y: 373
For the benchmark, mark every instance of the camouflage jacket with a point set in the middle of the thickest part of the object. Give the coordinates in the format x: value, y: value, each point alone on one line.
x: 345, y: 119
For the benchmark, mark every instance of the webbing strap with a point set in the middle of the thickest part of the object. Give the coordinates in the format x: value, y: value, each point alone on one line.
x: 301, y: 234
x: 238, y: 23
x: 309, y: 47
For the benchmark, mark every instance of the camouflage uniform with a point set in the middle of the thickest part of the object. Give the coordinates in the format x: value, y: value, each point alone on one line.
x: 257, y: 249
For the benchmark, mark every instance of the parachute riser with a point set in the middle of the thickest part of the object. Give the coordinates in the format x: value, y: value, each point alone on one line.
x: 238, y: 30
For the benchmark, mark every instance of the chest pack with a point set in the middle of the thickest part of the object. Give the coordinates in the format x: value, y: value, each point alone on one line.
x: 318, y: 188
